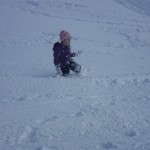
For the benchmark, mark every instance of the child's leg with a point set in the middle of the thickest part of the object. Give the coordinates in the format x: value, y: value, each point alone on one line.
x: 65, y: 71
x: 75, y: 67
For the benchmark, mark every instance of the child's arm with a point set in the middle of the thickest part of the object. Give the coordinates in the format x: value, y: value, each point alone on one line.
x: 57, y: 54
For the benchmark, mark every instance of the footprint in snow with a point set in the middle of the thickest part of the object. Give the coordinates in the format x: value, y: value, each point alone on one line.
x: 130, y: 133
x: 147, y: 146
x: 42, y: 148
x: 79, y: 114
x: 109, y: 145
x: 22, y: 98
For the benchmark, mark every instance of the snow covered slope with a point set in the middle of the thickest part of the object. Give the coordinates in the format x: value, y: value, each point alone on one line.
x: 106, y: 107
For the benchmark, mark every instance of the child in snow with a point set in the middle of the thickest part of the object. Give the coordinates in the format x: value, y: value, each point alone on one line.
x: 63, y: 56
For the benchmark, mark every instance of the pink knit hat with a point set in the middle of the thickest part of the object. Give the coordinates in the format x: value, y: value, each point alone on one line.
x: 64, y: 35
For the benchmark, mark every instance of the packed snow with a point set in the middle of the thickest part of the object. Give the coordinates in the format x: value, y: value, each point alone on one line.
x: 106, y: 106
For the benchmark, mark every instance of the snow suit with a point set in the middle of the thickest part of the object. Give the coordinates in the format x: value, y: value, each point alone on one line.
x: 62, y: 56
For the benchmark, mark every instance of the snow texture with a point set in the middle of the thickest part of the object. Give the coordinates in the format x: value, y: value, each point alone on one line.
x: 106, y: 106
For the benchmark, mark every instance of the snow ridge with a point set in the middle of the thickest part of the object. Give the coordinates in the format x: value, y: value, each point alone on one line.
x: 136, y: 5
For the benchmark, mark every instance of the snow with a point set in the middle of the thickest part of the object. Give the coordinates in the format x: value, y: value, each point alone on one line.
x: 106, y: 106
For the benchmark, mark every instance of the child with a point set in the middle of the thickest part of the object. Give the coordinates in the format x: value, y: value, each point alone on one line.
x: 63, y: 56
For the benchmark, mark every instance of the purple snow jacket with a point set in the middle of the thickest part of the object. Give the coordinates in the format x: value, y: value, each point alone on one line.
x: 62, y: 55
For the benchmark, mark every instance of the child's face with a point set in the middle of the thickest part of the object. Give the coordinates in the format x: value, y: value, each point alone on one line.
x: 67, y: 42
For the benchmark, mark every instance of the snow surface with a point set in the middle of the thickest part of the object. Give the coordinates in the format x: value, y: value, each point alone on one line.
x: 106, y: 107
